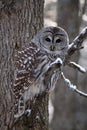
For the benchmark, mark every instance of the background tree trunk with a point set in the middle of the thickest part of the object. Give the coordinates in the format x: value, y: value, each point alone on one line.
x: 65, y: 104
x: 68, y: 16
x: 19, y: 21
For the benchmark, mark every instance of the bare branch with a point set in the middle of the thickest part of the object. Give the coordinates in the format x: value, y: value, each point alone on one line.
x: 74, y: 46
x: 77, y: 42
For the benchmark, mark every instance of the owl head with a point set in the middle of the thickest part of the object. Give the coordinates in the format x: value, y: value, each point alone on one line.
x: 53, y: 40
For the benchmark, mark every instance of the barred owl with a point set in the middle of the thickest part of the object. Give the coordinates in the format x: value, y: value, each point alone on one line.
x: 37, y: 70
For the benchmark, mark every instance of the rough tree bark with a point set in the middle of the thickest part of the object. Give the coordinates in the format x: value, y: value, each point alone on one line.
x: 19, y: 21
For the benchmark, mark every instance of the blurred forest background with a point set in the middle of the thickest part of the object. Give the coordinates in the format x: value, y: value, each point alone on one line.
x: 68, y: 109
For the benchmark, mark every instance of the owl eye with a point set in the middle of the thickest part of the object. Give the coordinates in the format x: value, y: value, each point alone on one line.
x: 48, y: 39
x: 58, y: 40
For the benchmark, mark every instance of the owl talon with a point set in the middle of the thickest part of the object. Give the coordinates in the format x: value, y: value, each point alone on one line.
x: 58, y: 63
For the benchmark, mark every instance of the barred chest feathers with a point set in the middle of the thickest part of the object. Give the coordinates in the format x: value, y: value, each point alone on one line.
x: 46, y: 79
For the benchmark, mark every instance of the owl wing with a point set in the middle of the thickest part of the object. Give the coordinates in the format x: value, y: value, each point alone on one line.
x: 26, y: 61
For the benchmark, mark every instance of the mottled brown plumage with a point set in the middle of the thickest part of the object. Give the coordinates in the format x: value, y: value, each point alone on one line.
x: 36, y: 72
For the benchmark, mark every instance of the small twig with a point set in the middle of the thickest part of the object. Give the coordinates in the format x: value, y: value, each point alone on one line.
x: 81, y: 93
x: 71, y: 86
x: 77, y: 66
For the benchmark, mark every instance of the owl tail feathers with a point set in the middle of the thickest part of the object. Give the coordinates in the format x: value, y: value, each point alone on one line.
x: 22, y: 112
x: 19, y: 109
x: 18, y: 115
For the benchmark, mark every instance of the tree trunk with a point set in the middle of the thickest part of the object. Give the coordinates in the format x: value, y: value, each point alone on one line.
x: 68, y: 16
x: 19, y: 21
x: 65, y: 109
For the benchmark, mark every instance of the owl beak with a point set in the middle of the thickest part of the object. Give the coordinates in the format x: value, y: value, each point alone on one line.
x: 52, y: 47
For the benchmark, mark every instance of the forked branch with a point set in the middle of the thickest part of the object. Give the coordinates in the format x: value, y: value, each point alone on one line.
x: 77, y: 42
x: 74, y: 46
